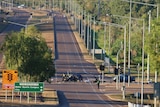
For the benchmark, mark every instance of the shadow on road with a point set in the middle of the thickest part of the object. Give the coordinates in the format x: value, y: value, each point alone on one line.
x: 62, y: 99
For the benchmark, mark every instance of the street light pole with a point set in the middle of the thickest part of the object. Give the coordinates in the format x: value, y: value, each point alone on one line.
x: 109, y: 38
x: 88, y: 32
x: 79, y: 21
x: 117, y: 81
x: 82, y: 30
x: 149, y: 29
x: 124, y: 69
x: 94, y: 38
x: 129, y: 43
x: 142, y: 85
x: 104, y: 42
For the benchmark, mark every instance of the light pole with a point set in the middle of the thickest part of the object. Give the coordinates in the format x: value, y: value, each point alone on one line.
x: 109, y: 39
x: 82, y: 30
x: 117, y: 81
x: 124, y: 69
x: 142, y: 85
x: 149, y: 29
x: 129, y: 43
x: 90, y: 36
x: 79, y: 21
x: 104, y: 47
x: 88, y: 31
x: 94, y: 38
x: 138, y: 72
x: 84, y: 27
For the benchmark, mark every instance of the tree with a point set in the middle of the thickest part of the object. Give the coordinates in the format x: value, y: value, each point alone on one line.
x: 28, y: 52
x: 153, y: 45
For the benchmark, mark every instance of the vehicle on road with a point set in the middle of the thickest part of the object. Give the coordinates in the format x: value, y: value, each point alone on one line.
x: 121, y: 77
x: 21, y: 6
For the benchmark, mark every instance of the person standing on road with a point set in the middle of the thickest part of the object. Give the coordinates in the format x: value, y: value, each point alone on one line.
x: 98, y: 83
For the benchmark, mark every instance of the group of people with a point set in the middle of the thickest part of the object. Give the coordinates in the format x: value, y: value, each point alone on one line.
x: 78, y: 77
x: 72, y: 77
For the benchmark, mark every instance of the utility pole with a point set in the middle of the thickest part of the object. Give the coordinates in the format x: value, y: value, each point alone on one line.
x: 98, y: 9
x: 94, y: 37
x: 104, y: 47
x: 129, y: 43
x: 142, y: 85
x: 149, y: 29
x: 88, y: 32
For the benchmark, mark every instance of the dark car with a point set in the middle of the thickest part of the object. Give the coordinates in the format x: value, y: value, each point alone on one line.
x: 121, y: 77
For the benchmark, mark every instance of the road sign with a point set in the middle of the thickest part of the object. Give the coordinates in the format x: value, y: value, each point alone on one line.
x: 9, y: 77
x: 29, y: 86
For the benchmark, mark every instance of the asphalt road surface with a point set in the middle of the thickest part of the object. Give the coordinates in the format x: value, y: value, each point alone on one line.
x: 68, y: 59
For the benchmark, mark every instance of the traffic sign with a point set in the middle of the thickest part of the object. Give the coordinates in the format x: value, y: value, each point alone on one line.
x: 29, y: 86
x: 9, y: 77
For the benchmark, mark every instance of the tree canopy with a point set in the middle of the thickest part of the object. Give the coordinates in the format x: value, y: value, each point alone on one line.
x: 27, y: 52
x: 153, y: 45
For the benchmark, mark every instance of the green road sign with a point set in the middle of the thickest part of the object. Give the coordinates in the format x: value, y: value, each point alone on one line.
x: 29, y: 86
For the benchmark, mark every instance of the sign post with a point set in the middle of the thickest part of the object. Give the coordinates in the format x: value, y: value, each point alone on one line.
x: 28, y: 87
x: 9, y: 77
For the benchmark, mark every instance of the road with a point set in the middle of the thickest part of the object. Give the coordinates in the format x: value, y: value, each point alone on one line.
x: 69, y: 59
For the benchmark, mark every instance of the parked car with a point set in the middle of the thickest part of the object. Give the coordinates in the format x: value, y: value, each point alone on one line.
x: 121, y: 76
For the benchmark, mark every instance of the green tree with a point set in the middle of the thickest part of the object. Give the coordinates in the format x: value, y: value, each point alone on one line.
x: 28, y: 52
x: 153, y: 45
